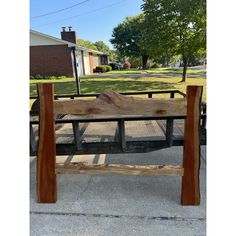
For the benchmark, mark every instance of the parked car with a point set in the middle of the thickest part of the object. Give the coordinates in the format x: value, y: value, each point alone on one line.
x: 116, y: 65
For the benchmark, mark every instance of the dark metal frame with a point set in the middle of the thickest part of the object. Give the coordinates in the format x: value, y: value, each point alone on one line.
x: 120, y: 145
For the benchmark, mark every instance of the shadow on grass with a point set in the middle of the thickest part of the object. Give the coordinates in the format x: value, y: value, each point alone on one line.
x: 177, y: 72
x: 165, y: 72
x: 94, y: 86
x: 60, y: 88
x: 122, y: 86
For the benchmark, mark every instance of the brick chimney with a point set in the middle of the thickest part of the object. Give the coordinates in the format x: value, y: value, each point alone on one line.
x: 69, y: 35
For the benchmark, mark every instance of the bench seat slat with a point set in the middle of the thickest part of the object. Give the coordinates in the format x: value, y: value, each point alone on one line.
x: 111, y: 103
x: 89, y: 168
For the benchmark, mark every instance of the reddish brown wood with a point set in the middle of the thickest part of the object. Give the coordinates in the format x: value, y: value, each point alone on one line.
x: 191, y: 153
x: 46, y: 162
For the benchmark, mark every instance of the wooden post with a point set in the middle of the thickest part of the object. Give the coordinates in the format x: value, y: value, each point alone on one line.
x: 191, y: 152
x: 46, y: 162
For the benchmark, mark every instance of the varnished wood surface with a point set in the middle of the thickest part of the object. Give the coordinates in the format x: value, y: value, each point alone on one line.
x: 191, y: 153
x: 46, y: 177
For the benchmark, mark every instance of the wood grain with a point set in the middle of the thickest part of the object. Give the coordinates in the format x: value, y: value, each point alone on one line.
x: 191, y: 154
x: 111, y: 103
x: 89, y: 168
x: 46, y: 177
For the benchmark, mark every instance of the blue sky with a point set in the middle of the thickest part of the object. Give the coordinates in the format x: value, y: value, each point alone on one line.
x: 90, y: 21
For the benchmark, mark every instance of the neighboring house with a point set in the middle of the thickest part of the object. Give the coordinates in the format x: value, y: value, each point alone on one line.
x: 53, y: 56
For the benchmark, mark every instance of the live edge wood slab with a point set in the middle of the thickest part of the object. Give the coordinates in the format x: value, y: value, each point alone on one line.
x: 112, y: 104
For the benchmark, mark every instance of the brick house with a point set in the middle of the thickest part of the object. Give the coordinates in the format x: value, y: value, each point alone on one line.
x: 54, y: 56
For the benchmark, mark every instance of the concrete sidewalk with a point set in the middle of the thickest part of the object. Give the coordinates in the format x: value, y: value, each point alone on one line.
x: 120, y: 204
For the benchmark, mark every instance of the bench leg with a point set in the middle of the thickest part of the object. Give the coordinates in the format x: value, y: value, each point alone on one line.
x: 46, y: 161
x: 191, y: 153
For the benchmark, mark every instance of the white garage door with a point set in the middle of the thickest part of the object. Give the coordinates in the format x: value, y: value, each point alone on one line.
x: 86, y: 63
x: 79, y: 63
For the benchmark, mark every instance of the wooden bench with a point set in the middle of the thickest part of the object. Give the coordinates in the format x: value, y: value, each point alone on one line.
x: 111, y: 105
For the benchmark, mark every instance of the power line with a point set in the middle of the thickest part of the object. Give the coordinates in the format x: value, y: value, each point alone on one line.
x: 86, y: 13
x: 60, y: 10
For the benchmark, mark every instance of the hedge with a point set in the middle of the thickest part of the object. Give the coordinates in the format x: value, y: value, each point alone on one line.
x: 102, y: 68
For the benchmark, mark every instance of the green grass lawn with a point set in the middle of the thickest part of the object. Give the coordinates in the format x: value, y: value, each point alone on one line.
x: 97, y: 85
x: 156, y: 71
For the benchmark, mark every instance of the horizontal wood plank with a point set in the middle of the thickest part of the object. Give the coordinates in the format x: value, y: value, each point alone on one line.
x: 111, y: 103
x: 89, y: 168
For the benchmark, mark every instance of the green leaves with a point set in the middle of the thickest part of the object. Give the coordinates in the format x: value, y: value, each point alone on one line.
x: 102, y: 47
x: 98, y: 46
x: 165, y: 28
x: 86, y: 43
x: 177, y: 26
x: 127, y: 36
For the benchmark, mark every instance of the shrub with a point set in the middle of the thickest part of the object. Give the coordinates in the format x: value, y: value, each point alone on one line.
x: 38, y: 76
x: 102, y: 68
x: 53, y: 77
x: 46, y: 77
x: 108, y: 68
x: 126, y: 65
x: 61, y: 77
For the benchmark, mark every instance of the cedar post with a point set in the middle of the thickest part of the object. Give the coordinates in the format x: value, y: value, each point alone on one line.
x: 191, y: 151
x: 46, y: 161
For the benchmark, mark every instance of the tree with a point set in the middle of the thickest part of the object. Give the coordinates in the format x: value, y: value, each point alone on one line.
x: 176, y: 27
x: 101, y: 46
x: 98, y: 46
x: 198, y: 58
x: 86, y: 44
x: 127, y: 38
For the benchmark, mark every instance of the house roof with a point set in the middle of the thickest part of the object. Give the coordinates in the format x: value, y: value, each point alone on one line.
x: 81, y: 48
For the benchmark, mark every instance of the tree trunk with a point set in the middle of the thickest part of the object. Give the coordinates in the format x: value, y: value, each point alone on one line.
x: 144, y: 61
x: 185, y: 66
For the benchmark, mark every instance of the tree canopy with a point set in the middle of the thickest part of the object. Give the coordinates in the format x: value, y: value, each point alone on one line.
x: 86, y: 43
x: 101, y: 46
x: 127, y: 38
x: 98, y: 46
x: 176, y: 27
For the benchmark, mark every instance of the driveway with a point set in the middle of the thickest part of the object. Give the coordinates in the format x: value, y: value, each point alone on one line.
x: 120, y: 204
x: 201, y: 73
